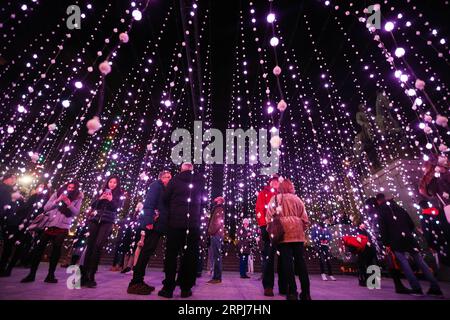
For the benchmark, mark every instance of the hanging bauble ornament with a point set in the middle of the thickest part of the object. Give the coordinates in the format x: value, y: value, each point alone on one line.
x: 34, y: 156
x: 443, y: 147
x: 442, y: 161
x: 275, y: 142
x: 427, y: 129
x: 441, y: 121
x: 277, y: 71
x: 143, y: 176
x: 51, y: 127
x: 104, y: 67
x: 149, y: 147
x: 281, y: 106
x: 123, y: 37
x: 420, y: 84
x: 428, y: 118
x: 93, y: 125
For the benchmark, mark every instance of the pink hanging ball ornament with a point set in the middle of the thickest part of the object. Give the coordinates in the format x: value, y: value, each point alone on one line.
x: 443, y: 147
x: 51, y: 127
x: 281, y: 106
x: 124, y: 37
x: 420, y: 84
x: 441, y: 121
x: 428, y: 118
x: 93, y: 125
x: 34, y: 157
x: 442, y: 161
x: 277, y: 71
x: 104, y: 68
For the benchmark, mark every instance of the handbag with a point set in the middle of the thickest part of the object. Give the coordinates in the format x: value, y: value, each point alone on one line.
x: 275, y: 227
x: 39, y: 223
x: 446, y: 208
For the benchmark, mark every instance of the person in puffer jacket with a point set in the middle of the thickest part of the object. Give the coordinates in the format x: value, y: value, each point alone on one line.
x: 293, y: 218
x: 62, y: 207
x: 105, y: 206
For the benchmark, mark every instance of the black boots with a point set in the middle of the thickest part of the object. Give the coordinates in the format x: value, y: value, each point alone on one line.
x: 51, y: 278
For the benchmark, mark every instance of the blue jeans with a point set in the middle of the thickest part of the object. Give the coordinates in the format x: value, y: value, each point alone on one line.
x: 243, y: 264
x: 409, y: 274
x: 216, y: 246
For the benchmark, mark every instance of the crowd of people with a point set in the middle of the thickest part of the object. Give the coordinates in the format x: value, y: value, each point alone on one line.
x: 173, y: 208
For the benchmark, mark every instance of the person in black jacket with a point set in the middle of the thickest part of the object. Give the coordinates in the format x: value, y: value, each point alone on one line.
x: 396, y: 231
x: 6, y: 190
x: 105, y: 206
x: 154, y: 223
x: 184, y: 199
x: 371, y: 211
x: 15, y: 228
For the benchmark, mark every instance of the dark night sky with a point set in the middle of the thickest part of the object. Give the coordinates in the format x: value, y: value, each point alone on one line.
x: 223, y: 37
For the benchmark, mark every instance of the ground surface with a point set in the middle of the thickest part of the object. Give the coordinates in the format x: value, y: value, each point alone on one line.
x: 113, y: 285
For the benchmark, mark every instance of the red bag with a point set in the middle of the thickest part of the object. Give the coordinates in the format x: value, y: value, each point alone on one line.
x: 352, y: 241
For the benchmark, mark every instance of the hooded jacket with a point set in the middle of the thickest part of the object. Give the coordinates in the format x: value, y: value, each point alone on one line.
x: 154, y: 201
x: 183, y: 198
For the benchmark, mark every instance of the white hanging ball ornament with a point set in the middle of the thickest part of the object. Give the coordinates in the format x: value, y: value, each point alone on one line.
x: 389, y: 26
x: 51, y: 127
x: 104, y: 68
x: 270, y: 17
x: 275, y: 142
x: 90, y: 69
x: 159, y: 123
x: 420, y: 84
x: 281, y: 106
x: 274, y: 41
x: 123, y: 37
x: 143, y: 176
x: 93, y: 125
x: 399, y: 52
x: 137, y: 15
x: 441, y: 121
x: 277, y: 71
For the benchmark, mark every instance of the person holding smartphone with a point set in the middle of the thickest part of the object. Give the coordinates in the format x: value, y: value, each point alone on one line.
x: 62, y: 207
x: 104, y: 208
